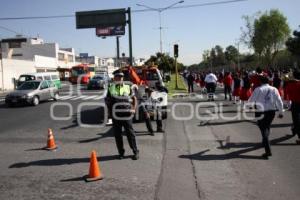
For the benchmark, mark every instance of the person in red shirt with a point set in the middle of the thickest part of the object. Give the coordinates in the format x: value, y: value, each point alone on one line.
x: 246, y: 88
x: 236, y: 88
x: 255, y: 78
x: 227, y: 85
x: 292, y: 90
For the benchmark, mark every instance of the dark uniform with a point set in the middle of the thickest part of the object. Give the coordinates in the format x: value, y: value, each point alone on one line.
x: 120, y: 101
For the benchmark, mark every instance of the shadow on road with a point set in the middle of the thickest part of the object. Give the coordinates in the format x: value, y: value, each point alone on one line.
x: 90, y: 117
x: 247, y: 147
x: 281, y: 125
x: 205, y: 123
x: 61, y: 161
x: 108, y: 133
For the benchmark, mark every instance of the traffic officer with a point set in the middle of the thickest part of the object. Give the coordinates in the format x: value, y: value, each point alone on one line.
x: 292, y: 89
x: 267, y: 101
x: 122, y: 104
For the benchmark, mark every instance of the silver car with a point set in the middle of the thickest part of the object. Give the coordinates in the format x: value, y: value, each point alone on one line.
x: 32, y: 92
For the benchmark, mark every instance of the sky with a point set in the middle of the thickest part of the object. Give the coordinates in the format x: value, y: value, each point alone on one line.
x: 194, y: 29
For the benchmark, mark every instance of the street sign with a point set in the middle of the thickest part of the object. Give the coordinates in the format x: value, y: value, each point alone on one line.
x: 101, y: 18
x: 110, y: 31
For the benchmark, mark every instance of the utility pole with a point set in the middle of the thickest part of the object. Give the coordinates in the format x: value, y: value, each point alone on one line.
x: 160, y: 10
x: 118, y: 52
x: 130, y: 36
x: 2, y: 71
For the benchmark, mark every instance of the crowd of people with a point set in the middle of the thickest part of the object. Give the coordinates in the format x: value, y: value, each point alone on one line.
x: 272, y: 90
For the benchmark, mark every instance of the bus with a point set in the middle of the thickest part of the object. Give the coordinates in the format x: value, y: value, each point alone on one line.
x: 82, y: 71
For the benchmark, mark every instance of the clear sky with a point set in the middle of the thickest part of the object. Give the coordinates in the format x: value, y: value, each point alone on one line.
x: 194, y: 29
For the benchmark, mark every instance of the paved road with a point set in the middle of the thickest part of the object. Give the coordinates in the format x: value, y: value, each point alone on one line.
x: 196, y: 158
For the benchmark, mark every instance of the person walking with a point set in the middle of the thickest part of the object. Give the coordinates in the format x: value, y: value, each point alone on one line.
x: 190, y: 81
x: 236, y: 87
x: 142, y: 109
x: 211, y: 84
x: 227, y: 85
x: 267, y: 101
x: 246, y: 89
x: 121, y: 103
x: 293, y: 94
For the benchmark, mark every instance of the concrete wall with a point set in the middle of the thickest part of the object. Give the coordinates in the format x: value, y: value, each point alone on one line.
x: 28, y: 51
x: 13, y: 69
x: 45, y: 62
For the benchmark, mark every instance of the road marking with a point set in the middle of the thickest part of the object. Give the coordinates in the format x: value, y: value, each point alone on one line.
x: 66, y: 97
x: 90, y: 97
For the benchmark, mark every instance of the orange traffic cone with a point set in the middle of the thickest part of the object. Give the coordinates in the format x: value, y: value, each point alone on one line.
x: 50, y: 142
x: 94, y: 172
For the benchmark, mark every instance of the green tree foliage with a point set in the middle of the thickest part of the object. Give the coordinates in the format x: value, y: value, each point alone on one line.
x: 231, y: 54
x: 293, y: 44
x: 271, y: 30
x: 164, y: 62
x: 220, y: 56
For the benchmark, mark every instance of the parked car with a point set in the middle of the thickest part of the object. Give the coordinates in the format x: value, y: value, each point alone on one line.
x: 32, y: 92
x: 99, y: 81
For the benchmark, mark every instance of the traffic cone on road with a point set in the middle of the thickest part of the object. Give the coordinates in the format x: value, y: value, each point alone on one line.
x: 50, y: 142
x: 94, y: 171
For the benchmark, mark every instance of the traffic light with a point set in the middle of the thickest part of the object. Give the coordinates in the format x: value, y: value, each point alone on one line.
x: 176, y: 50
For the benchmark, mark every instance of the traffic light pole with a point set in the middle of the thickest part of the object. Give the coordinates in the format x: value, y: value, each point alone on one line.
x: 130, y: 36
x: 176, y: 75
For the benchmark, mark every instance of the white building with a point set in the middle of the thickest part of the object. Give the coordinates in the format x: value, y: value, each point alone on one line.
x: 32, y: 55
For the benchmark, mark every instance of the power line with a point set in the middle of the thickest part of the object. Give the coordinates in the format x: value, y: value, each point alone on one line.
x: 194, y: 5
x: 10, y: 30
x: 133, y: 11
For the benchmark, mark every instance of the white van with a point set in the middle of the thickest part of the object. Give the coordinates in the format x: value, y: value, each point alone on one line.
x: 48, y: 76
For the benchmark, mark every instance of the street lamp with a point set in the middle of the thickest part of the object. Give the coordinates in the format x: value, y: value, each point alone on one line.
x: 160, y: 10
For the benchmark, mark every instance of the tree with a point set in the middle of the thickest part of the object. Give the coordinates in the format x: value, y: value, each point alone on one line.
x: 231, y: 54
x: 293, y: 44
x: 164, y: 62
x: 270, y: 33
x: 220, y: 56
x: 267, y: 35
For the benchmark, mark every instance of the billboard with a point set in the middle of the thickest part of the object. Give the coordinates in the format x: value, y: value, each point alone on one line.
x: 110, y: 31
x: 83, y: 55
x: 101, y: 18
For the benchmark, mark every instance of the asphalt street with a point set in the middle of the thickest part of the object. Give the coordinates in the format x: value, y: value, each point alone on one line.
x: 201, y: 155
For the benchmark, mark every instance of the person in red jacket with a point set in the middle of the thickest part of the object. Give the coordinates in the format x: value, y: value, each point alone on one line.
x: 236, y: 86
x: 246, y: 88
x: 293, y: 94
x: 227, y: 85
x: 255, y: 78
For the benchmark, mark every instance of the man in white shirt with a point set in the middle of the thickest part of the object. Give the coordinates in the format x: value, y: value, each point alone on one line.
x: 267, y: 101
x: 211, y: 84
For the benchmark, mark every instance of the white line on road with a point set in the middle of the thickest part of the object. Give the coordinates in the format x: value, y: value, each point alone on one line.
x: 66, y: 97
x: 91, y: 97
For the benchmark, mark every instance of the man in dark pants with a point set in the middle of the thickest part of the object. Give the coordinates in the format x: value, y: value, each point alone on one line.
x: 142, y: 108
x: 292, y: 89
x: 122, y: 103
x: 267, y: 101
x: 190, y: 81
x: 227, y: 85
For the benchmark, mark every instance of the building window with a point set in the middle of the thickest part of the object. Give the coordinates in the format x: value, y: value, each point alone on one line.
x: 14, y: 44
x: 70, y: 58
x: 61, y: 56
x: 17, y: 54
